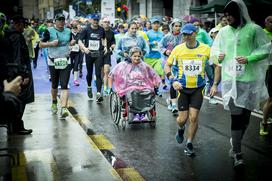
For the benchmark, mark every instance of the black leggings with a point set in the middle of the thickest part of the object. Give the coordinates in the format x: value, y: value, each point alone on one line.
x: 98, y: 61
x: 62, y: 75
x: 241, y: 121
x: 80, y: 59
x: 74, y: 61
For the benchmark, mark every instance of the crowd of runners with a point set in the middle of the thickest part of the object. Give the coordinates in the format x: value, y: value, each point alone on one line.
x: 191, y: 61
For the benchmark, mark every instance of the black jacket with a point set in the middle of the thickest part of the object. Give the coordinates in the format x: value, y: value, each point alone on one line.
x: 14, y: 61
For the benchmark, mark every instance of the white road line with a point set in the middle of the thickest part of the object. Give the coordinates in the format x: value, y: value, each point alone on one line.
x: 256, y: 113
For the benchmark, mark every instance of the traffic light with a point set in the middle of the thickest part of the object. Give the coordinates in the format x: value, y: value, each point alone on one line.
x: 119, y: 9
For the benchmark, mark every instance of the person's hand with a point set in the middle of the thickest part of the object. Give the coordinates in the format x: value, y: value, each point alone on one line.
x: 177, y: 85
x: 125, y: 54
x: 86, y: 50
x: 73, y: 42
x: 54, y: 43
x: 168, y: 52
x: 213, y: 90
x: 221, y: 57
x: 155, y: 43
x: 25, y: 81
x: 14, y: 86
x: 241, y: 60
x: 105, y: 50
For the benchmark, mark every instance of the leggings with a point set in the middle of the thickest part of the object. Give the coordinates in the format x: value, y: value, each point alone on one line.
x: 98, y: 61
x: 74, y: 61
x: 239, y: 122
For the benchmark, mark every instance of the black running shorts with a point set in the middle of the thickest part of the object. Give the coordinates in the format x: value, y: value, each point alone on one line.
x: 190, y: 97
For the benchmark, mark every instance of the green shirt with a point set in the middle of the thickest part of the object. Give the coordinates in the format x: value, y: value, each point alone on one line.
x: 269, y: 34
x: 240, y: 42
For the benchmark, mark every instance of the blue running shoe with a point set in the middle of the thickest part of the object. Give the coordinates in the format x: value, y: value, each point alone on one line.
x: 179, y: 136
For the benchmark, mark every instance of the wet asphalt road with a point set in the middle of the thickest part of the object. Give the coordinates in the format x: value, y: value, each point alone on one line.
x: 154, y: 153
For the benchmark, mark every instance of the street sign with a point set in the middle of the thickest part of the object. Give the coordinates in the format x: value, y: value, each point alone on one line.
x: 108, y: 9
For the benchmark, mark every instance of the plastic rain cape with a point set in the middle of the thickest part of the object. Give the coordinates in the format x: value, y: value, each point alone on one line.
x: 245, y: 83
x: 128, y: 76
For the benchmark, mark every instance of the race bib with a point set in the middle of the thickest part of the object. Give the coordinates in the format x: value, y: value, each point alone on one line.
x: 192, y: 67
x: 94, y: 45
x: 60, y: 63
x: 240, y: 69
x: 237, y: 69
x: 155, y: 48
x: 75, y: 48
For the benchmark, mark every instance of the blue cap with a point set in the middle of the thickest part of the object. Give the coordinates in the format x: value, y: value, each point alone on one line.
x: 155, y: 19
x: 189, y: 28
x: 94, y: 16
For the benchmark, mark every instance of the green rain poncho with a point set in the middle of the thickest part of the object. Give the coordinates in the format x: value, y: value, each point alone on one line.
x: 244, y: 83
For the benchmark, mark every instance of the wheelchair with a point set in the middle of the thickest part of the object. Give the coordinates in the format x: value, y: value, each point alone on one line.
x: 124, y: 108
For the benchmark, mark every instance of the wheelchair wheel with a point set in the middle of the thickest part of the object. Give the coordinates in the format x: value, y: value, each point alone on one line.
x: 115, y: 108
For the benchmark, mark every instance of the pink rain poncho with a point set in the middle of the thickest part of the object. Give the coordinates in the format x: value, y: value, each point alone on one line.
x: 128, y: 76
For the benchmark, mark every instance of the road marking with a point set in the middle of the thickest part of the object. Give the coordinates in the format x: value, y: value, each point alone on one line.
x: 256, y: 113
x: 129, y: 174
x: 102, y: 142
x: 19, y: 172
x: 115, y: 175
x: 81, y: 119
x: 43, y: 156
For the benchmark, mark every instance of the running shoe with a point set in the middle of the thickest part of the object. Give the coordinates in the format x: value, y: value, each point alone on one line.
x: 137, y: 117
x: 99, y: 97
x: 76, y: 83
x: 189, y: 150
x: 64, y: 112
x: 168, y: 102
x: 238, y: 160
x: 174, y: 109
x: 263, y: 129
x: 179, y: 135
x: 144, y: 117
x: 54, y: 108
x: 269, y: 121
x: 90, y: 92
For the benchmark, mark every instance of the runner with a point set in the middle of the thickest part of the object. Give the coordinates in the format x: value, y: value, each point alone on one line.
x: 236, y: 49
x: 131, y: 39
x: 110, y: 47
x: 94, y: 48
x: 267, y: 109
x: 57, y: 39
x: 153, y: 58
x: 167, y: 44
x: 191, y: 57
x: 75, y: 52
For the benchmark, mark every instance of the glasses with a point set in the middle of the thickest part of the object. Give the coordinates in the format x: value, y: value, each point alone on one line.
x: 177, y: 26
x: 61, y: 19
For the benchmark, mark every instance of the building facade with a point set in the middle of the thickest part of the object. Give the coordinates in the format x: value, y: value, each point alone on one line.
x: 149, y: 8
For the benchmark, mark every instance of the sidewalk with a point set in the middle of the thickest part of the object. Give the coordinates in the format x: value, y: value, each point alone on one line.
x: 56, y: 150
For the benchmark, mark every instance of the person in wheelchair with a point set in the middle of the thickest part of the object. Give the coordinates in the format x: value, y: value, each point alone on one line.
x: 134, y: 81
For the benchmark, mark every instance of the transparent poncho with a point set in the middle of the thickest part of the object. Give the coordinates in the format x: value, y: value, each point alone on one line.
x: 128, y: 76
x: 244, y: 83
